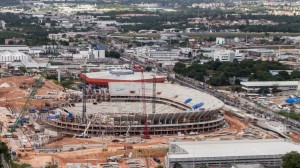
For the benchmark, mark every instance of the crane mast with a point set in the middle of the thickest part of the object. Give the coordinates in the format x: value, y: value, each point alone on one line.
x: 154, y: 92
x: 144, y: 113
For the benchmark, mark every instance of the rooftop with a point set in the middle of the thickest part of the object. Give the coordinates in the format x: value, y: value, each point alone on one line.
x: 232, y: 148
x: 270, y: 83
x: 121, y: 75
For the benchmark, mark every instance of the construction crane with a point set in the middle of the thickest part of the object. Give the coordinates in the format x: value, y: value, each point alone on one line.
x: 154, y: 92
x: 38, y: 83
x: 144, y: 113
x: 84, y: 91
x: 19, y: 119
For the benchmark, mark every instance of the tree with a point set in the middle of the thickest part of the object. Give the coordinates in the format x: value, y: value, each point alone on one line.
x: 275, y: 89
x: 148, y: 68
x: 11, y: 42
x: 112, y: 54
x: 71, y: 39
x: 284, y: 74
x: 78, y: 36
x: 177, y: 165
x: 50, y: 165
x: 263, y: 90
x: 179, y: 68
x: 291, y: 160
x: 267, y: 34
x: 64, y: 43
x: 276, y: 38
x: 23, y: 69
x: 295, y: 74
x: 237, y: 82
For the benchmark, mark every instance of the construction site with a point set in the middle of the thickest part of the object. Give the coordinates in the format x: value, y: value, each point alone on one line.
x: 115, y: 123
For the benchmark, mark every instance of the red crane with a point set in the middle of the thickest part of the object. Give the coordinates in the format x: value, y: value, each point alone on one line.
x: 144, y: 113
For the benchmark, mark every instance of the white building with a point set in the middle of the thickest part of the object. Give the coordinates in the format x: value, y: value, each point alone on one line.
x: 220, y: 41
x: 239, y: 56
x: 219, y: 153
x: 95, y: 52
x: 11, y: 56
x: 21, y: 48
x: 224, y: 55
x: 81, y: 55
x: 98, y: 51
x: 160, y: 56
x: 254, y: 86
x: 2, y: 24
x: 186, y: 51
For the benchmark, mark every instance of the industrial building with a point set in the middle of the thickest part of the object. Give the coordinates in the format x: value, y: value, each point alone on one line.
x: 118, y: 110
x: 11, y: 56
x: 219, y: 154
x: 228, y: 55
x: 254, y: 86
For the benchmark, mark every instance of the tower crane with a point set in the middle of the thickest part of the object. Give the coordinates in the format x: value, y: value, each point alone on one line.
x: 154, y: 92
x: 19, y: 119
x: 38, y: 83
x: 144, y: 113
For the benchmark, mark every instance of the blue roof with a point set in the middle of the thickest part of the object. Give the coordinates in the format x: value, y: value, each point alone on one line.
x: 197, y: 105
x: 97, y: 46
x: 188, y: 100
x: 292, y: 100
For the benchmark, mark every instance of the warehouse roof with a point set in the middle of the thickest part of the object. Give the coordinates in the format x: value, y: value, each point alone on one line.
x: 232, y: 148
x: 269, y: 83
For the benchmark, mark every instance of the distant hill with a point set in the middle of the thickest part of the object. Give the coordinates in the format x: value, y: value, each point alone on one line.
x: 9, y: 2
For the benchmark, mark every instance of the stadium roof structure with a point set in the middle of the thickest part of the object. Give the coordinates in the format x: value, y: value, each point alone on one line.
x: 104, y: 77
x: 169, y: 91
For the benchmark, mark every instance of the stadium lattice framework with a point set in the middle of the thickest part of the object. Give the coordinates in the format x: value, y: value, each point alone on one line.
x: 117, y: 110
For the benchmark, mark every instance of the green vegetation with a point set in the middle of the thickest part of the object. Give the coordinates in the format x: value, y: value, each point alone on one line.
x: 22, y: 27
x: 5, y: 151
x: 112, y: 54
x: 220, y: 72
x: 14, y: 165
x: 290, y: 115
x: 291, y: 160
x: 148, y: 68
x: 177, y: 165
x: 158, y: 20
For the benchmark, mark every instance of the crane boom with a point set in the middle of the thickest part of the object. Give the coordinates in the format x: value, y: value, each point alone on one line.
x: 31, y: 95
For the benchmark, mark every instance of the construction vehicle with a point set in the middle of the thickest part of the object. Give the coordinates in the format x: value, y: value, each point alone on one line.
x: 84, y: 134
x: 127, y: 132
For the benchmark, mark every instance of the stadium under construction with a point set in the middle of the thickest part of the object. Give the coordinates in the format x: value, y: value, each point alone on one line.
x: 137, y: 108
